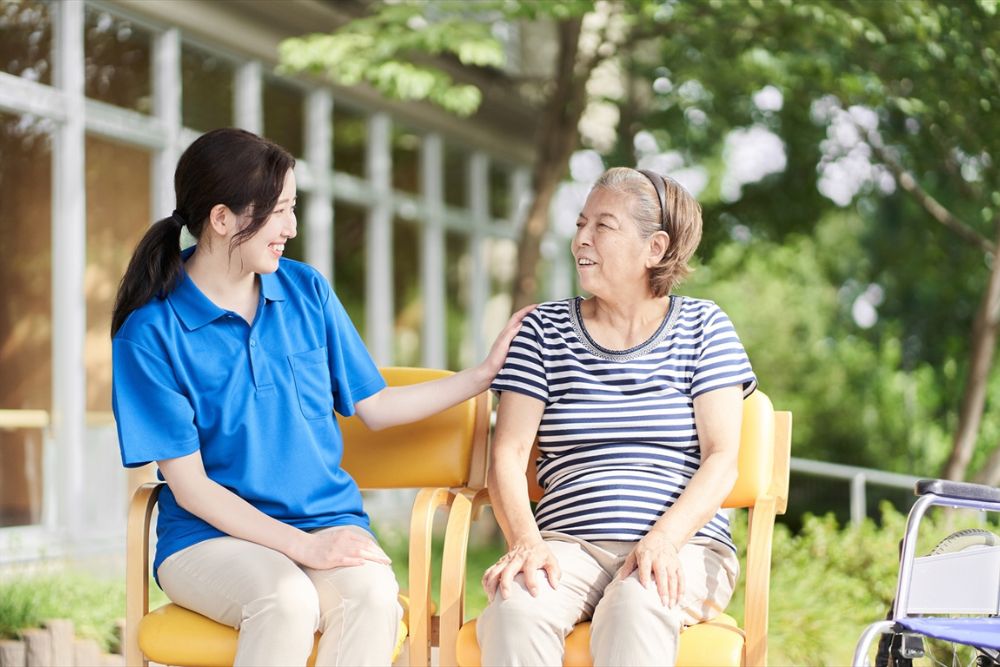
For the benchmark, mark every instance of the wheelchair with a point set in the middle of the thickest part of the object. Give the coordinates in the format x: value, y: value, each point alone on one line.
x: 950, y: 594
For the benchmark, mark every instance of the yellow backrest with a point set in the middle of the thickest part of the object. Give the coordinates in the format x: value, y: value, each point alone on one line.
x: 444, y: 450
x: 756, y: 463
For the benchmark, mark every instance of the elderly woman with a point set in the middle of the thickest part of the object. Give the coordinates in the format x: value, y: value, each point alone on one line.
x: 635, y: 395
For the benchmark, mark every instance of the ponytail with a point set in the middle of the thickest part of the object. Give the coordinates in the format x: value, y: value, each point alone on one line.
x: 153, y: 271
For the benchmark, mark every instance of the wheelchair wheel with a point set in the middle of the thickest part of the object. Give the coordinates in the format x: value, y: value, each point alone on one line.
x: 899, y: 650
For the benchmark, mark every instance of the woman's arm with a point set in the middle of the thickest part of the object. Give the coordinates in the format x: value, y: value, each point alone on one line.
x: 401, y: 405
x: 226, y: 511
x: 718, y: 416
x: 518, y: 417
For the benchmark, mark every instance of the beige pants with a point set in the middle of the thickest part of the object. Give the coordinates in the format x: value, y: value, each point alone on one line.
x: 278, y: 605
x: 630, y: 625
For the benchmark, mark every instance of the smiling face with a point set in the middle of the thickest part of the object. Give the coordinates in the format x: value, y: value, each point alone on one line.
x: 612, y: 260
x: 260, y: 254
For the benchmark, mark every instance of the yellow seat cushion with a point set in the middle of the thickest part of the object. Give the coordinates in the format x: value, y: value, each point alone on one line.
x: 173, y: 635
x: 718, y: 643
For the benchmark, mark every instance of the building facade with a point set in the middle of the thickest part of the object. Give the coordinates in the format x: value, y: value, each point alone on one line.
x: 411, y: 213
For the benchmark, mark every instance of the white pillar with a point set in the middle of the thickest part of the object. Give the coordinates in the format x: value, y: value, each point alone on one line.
x: 432, y: 265
x: 69, y: 252
x: 318, y: 214
x: 378, y: 251
x: 479, y: 205
x: 248, y: 99
x: 166, y: 107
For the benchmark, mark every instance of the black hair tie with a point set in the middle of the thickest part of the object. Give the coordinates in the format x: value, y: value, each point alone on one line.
x: 178, y: 219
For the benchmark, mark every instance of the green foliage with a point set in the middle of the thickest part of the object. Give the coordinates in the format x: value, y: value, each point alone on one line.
x: 93, y: 603
x: 384, y: 50
x: 828, y: 582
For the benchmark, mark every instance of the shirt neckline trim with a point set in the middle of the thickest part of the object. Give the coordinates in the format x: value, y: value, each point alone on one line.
x: 576, y: 319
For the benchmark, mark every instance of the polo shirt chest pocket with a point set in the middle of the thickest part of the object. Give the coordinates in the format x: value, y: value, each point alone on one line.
x: 312, y: 383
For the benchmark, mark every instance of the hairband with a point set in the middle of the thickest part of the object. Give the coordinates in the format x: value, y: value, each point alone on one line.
x: 178, y: 219
x: 661, y: 193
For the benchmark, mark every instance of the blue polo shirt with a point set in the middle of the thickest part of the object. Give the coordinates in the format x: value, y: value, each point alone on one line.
x: 257, y: 401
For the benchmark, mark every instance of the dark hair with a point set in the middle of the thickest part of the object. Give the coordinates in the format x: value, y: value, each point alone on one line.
x: 226, y: 166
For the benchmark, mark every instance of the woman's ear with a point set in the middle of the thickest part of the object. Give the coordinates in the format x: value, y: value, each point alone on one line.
x: 659, y: 243
x: 221, y: 219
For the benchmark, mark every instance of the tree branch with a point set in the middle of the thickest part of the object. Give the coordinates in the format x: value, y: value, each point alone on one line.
x: 924, y: 198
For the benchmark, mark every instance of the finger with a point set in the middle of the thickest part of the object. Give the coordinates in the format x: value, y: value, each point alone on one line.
x: 348, y: 561
x: 507, y: 579
x: 375, y: 556
x: 676, y: 587
x: 643, y: 566
x: 531, y: 578
x: 662, y: 582
x: 627, y: 567
x: 490, y: 581
x: 519, y: 315
x: 553, y: 572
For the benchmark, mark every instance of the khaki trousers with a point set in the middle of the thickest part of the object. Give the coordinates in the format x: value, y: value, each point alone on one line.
x: 278, y: 605
x: 629, y: 623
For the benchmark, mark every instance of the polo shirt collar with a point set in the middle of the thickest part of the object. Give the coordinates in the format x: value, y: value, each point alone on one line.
x: 196, y: 310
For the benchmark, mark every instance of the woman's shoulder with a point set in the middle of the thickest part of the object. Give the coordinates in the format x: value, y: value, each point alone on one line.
x: 552, y: 313
x: 302, y: 278
x: 146, y: 324
x: 698, y: 312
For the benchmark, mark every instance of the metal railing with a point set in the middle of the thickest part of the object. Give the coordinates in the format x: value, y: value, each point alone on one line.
x: 859, y: 479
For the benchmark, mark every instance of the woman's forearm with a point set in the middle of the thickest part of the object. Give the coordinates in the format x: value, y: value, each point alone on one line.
x: 408, y: 403
x: 511, y: 505
x: 224, y: 510
x: 699, y: 502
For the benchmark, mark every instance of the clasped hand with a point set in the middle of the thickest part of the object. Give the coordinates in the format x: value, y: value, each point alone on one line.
x: 523, y: 558
x: 655, y: 559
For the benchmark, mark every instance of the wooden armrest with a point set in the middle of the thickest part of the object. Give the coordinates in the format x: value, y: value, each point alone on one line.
x: 467, y: 506
x: 137, y: 566
x: 425, y: 506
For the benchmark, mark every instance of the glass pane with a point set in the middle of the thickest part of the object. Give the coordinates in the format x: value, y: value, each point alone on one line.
x: 117, y: 61
x: 349, y: 237
x: 207, y: 90
x: 458, y: 267
x: 499, y: 191
x: 349, y: 134
x: 405, y: 160
x: 25, y: 309
x: 283, y: 109
x: 455, y: 177
x: 296, y: 248
x: 26, y: 39
x: 408, y: 302
x: 115, y: 223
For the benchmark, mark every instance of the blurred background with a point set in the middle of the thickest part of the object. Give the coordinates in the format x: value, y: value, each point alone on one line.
x: 845, y: 154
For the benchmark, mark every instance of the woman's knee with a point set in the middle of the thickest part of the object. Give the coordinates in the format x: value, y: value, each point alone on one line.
x: 626, y: 601
x: 292, y: 603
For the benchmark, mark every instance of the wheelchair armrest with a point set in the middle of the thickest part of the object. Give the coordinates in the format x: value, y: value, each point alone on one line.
x: 963, y: 490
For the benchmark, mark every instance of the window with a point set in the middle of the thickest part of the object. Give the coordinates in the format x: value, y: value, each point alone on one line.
x: 26, y: 309
x: 456, y: 177
x: 117, y: 61
x: 207, y: 90
x: 283, y: 109
x: 458, y: 277
x: 349, y: 239
x: 26, y: 39
x: 115, y: 223
x: 405, y: 160
x: 349, y: 137
x: 408, y: 303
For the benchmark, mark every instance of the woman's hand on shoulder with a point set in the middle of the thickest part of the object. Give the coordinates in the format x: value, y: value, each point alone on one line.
x: 328, y: 549
x: 498, y: 352
x: 655, y: 559
x: 525, y: 558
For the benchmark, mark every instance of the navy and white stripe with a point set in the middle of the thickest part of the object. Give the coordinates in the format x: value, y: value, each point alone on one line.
x: 617, y: 438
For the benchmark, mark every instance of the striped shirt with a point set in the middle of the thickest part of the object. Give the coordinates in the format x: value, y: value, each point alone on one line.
x: 617, y: 439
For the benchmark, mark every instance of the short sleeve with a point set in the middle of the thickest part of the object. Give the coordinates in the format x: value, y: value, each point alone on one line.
x: 524, y: 370
x: 155, y: 419
x: 353, y: 372
x: 722, y: 361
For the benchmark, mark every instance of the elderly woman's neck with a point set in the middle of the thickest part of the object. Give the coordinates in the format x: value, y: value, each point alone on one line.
x: 623, y: 323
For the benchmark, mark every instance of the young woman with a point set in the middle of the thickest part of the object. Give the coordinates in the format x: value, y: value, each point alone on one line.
x: 635, y: 395
x: 228, y: 364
